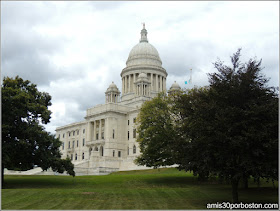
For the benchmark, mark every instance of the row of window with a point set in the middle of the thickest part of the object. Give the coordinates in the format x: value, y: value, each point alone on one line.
x: 73, y: 144
x: 102, y: 134
x: 102, y: 152
x: 69, y: 133
x: 76, y: 156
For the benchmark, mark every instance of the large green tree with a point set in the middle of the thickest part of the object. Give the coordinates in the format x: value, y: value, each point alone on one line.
x: 228, y: 129
x: 25, y: 143
x: 231, y: 127
x: 155, y: 133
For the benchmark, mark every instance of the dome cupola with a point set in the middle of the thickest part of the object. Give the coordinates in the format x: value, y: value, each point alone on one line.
x: 112, y: 94
x: 174, y: 88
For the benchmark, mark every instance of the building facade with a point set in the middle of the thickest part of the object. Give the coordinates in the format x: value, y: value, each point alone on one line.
x: 106, y: 139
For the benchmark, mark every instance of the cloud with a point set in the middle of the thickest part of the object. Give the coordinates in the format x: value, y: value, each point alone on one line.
x: 74, y: 50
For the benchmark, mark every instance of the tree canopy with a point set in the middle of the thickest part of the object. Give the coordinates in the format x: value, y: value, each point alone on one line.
x: 25, y: 143
x: 228, y: 129
x: 156, y: 133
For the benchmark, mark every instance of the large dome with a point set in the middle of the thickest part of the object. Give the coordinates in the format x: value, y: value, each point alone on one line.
x: 143, y: 53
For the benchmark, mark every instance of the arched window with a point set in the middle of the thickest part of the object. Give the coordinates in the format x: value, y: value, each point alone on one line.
x: 101, y: 150
x: 134, y: 149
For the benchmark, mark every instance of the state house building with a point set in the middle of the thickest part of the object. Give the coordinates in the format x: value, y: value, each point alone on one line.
x: 106, y: 139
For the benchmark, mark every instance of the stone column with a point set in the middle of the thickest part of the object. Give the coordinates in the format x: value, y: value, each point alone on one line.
x: 156, y: 83
x: 89, y: 131
x: 100, y: 124
x: 151, y: 81
x: 122, y: 85
x: 161, y: 80
x: 164, y: 84
x: 129, y: 79
x: 94, y: 130
x: 134, y: 79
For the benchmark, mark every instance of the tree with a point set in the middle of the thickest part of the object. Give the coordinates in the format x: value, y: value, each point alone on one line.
x: 155, y: 133
x: 231, y: 127
x: 24, y: 141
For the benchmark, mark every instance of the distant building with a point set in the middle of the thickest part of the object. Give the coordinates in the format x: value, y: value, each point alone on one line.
x: 106, y: 139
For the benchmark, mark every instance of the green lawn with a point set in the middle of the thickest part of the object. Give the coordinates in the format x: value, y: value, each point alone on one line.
x: 149, y: 189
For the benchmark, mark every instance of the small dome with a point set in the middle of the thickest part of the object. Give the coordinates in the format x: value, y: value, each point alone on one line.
x: 142, y: 77
x: 175, y: 86
x: 113, y: 88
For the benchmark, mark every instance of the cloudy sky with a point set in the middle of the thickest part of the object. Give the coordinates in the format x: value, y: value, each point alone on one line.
x: 74, y: 50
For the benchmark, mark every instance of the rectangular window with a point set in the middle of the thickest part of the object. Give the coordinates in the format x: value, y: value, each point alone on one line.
x: 134, y: 120
x: 69, y: 134
x: 113, y: 133
x: 73, y: 144
x: 62, y: 145
x: 84, y: 130
x: 69, y: 146
x: 102, y: 135
x: 63, y: 135
x: 83, y: 142
x: 71, y: 156
x: 73, y: 133
x: 77, y: 143
x: 96, y: 136
x: 119, y: 154
x: 127, y: 122
x: 77, y: 132
x: 127, y: 135
x: 113, y: 153
x: 134, y: 133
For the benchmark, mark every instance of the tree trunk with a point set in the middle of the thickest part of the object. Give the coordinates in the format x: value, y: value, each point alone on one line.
x: 2, y: 176
x: 245, y: 183
x: 245, y: 179
x: 234, y: 185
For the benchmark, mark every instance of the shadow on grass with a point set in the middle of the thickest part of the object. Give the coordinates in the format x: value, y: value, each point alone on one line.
x: 20, y: 182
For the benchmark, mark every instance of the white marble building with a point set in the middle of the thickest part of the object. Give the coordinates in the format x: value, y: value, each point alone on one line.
x: 106, y: 139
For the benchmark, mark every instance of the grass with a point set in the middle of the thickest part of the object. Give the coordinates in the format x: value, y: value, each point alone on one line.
x: 149, y: 189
